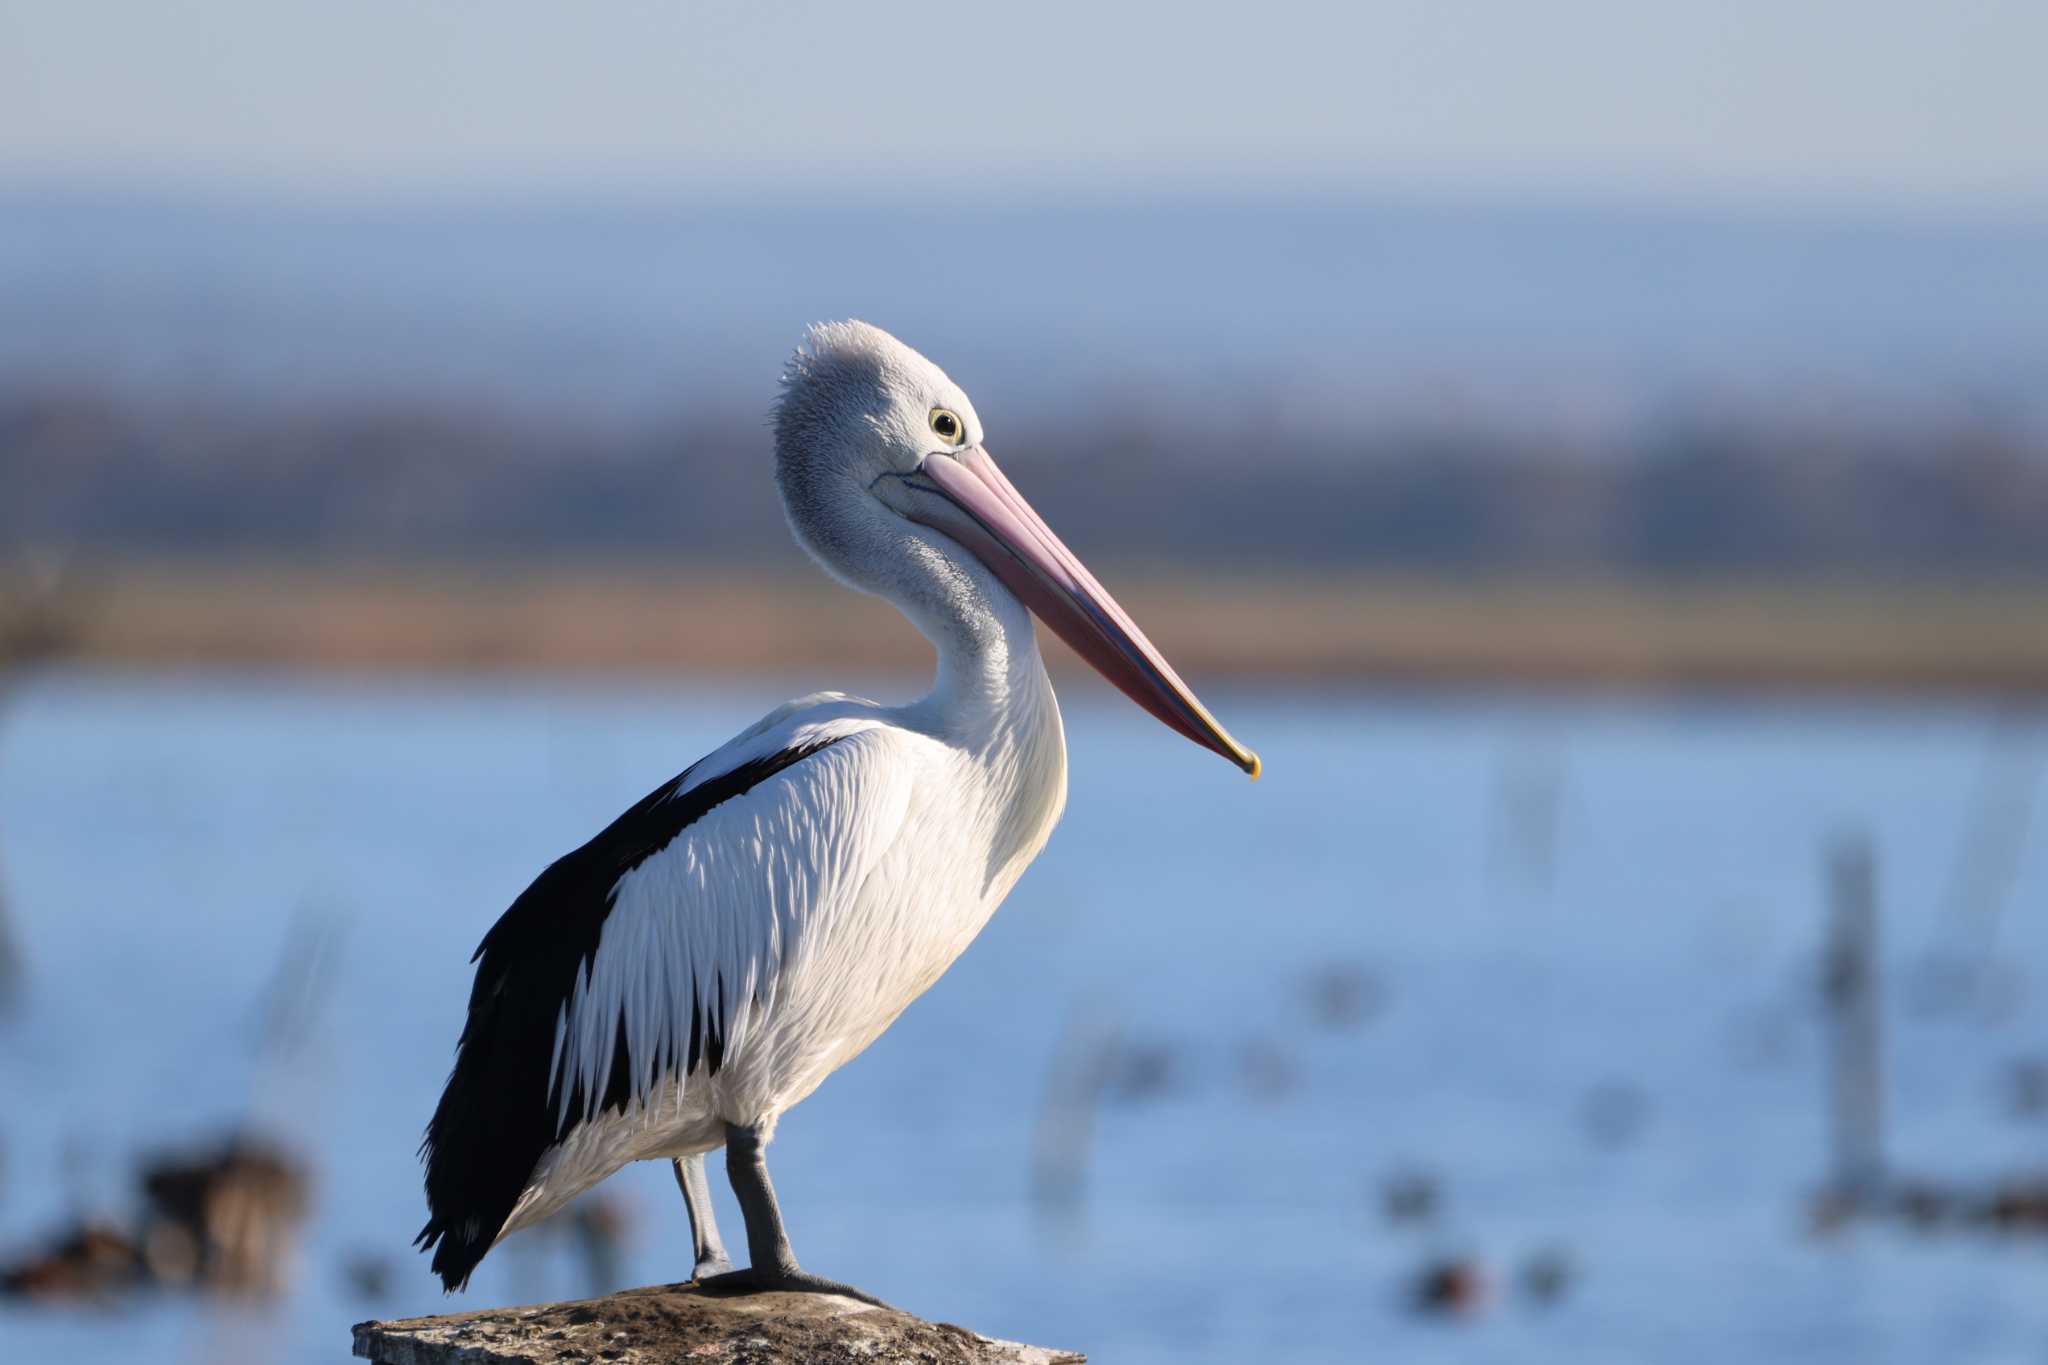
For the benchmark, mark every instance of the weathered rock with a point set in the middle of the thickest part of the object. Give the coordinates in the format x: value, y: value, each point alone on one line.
x: 682, y: 1323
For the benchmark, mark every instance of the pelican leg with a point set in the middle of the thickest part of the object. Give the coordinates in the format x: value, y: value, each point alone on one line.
x: 711, y: 1257
x: 772, y: 1265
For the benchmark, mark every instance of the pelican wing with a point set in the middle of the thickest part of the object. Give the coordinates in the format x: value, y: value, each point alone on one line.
x: 647, y: 954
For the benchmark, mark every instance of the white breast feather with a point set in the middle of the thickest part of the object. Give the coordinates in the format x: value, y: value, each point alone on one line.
x: 714, y: 918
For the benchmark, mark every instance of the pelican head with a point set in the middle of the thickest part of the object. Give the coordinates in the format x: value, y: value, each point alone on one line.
x: 880, y: 460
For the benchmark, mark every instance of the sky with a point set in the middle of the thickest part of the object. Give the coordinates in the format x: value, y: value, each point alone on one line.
x: 1927, y: 103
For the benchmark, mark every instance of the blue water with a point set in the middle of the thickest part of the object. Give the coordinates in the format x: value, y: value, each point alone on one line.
x: 1189, y: 308
x: 162, y: 837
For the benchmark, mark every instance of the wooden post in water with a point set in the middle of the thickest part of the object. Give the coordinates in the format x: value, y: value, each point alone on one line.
x: 1855, y: 1042
x: 13, y: 971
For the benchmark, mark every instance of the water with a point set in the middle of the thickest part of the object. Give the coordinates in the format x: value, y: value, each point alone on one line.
x: 161, y: 836
x: 1183, y: 308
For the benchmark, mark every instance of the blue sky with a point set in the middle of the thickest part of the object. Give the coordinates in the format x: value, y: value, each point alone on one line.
x: 1917, y: 101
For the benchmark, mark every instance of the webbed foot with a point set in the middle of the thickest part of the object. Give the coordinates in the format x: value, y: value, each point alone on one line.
x: 791, y: 1279
x: 711, y: 1267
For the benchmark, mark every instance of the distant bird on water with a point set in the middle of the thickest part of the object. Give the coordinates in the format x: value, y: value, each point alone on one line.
x: 685, y: 977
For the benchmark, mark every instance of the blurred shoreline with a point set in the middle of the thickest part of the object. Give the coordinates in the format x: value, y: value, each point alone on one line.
x: 1343, y: 626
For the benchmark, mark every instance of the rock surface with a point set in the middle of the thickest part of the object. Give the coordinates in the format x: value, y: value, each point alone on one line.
x: 682, y: 1323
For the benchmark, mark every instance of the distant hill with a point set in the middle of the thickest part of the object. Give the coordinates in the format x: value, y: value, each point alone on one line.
x: 115, y: 476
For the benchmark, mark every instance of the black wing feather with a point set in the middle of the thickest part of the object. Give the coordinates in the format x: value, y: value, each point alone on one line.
x: 498, y: 1115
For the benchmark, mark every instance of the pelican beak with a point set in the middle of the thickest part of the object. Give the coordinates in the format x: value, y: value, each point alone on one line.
x: 967, y: 498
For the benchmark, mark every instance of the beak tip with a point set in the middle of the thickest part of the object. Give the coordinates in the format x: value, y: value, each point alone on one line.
x: 1252, y: 765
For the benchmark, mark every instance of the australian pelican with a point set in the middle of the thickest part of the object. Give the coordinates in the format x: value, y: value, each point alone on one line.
x: 700, y: 966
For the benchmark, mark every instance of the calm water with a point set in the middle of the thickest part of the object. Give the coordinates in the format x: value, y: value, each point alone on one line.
x: 160, y: 839
x: 646, y: 308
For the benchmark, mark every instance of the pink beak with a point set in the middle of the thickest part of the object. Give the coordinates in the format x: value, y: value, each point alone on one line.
x: 983, y: 511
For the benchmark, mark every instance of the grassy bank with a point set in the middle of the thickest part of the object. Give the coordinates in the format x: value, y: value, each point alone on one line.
x: 1752, y: 633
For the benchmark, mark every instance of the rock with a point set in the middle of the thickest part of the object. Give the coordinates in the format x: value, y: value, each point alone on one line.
x: 1547, y: 1275
x: 91, y: 1261
x: 1410, y: 1197
x: 1459, y: 1287
x: 682, y: 1323
x: 226, y: 1219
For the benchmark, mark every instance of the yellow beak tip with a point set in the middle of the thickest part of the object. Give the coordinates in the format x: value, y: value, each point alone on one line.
x: 1255, y: 767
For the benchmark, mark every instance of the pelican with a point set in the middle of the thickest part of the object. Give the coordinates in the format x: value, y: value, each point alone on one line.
x: 677, y: 983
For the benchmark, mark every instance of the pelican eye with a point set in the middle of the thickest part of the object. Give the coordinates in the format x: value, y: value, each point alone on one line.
x: 948, y: 427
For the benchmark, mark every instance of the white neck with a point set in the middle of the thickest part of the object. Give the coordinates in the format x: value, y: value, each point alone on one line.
x: 991, y: 679
x: 991, y: 692
x: 992, y: 699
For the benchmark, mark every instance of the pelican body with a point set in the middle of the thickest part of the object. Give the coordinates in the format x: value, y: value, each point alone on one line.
x: 700, y: 966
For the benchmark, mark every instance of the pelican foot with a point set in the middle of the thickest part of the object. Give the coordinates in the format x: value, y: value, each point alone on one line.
x: 710, y: 1251
x: 711, y: 1267
x: 786, y: 1279
x: 774, y: 1264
